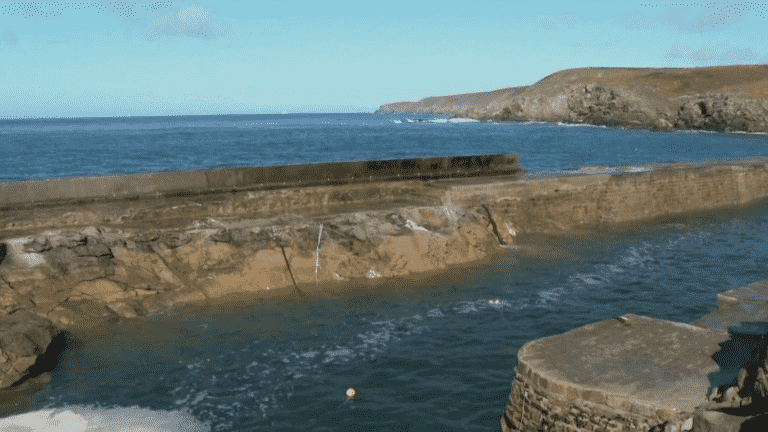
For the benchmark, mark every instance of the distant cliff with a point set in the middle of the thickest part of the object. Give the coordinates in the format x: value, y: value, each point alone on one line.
x: 722, y: 98
x: 473, y: 105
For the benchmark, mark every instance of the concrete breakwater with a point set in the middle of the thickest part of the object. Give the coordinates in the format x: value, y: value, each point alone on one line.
x: 80, y: 262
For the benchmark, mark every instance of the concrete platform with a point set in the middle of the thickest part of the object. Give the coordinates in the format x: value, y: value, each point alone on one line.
x: 626, y: 361
x: 640, y: 373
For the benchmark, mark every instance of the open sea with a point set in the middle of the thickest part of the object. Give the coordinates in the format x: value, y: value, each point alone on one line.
x: 445, y: 346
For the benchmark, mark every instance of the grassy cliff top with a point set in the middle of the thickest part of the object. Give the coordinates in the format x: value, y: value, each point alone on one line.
x: 748, y: 81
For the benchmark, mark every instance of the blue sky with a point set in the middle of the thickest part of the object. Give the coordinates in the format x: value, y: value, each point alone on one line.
x: 178, y: 57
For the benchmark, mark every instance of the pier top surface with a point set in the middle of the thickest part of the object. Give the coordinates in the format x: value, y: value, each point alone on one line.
x: 664, y: 363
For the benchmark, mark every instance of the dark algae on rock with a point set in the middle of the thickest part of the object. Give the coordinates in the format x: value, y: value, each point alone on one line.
x: 722, y: 98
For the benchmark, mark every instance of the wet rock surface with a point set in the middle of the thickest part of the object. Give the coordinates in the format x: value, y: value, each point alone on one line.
x: 24, y: 336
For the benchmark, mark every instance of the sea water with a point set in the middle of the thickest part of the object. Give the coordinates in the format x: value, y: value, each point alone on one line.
x: 445, y: 346
x: 55, y: 148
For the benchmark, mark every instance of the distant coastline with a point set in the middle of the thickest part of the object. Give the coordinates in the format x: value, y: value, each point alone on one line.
x: 720, y: 98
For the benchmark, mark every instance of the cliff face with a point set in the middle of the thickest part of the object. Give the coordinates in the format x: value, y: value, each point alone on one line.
x: 473, y: 105
x: 727, y: 98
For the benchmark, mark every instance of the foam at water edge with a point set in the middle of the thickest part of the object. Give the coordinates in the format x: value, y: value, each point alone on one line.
x: 87, y: 418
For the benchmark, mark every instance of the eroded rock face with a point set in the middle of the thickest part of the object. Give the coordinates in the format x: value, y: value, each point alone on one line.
x: 84, y: 277
x: 718, y: 99
x: 24, y: 336
x: 719, y: 112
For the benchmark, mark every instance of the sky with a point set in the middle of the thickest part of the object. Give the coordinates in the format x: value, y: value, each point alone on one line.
x: 200, y: 57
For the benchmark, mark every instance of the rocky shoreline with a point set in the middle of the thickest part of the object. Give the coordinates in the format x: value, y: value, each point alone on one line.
x: 78, y: 264
x: 724, y: 98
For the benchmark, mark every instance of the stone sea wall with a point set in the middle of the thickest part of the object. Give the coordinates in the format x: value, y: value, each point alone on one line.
x: 81, y: 262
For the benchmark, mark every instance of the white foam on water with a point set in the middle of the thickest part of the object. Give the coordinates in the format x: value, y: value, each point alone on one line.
x: 637, y: 169
x: 636, y: 257
x: 343, y: 354
x: 589, y: 279
x: 675, y: 225
x: 78, y: 418
x: 396, y: 121
x: 466, y: 307
x: 438, y: 121
x: 435, y: 313
x: 462, y: 120
x: 309, y: 354
x: 549, y: 296
x: 580, y: 125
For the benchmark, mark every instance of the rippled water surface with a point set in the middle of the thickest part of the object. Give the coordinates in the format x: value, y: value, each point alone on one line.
x: 445, y: 346
x: 102, y: 146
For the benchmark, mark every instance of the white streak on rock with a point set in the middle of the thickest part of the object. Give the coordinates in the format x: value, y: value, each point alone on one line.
x: 412, y: 225
x: 687, y: 425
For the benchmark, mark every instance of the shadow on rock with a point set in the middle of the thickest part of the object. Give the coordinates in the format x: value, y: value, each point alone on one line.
x: 745, y: 348
x: 47, y: 362
x: 757, y: 423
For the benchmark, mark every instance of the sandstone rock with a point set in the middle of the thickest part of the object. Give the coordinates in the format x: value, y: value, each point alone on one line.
x: 73, y: 240
x: 39, y: 244
x: 76, y: 267
x: 23, y: 337
x: 266, y: 268
x: 715, y: 421
x: 221, y: 235
x: 143, y: 270
x: 11, y: 301
x: 93, y: 249
x: 126, y: 309
x: 175, y: 239
x: 197, y: 258
x: 82, y: 314
x: 101, y: 290
x: 663, y: 124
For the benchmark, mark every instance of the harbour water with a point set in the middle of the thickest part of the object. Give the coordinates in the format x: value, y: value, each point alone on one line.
x: 445, y: 346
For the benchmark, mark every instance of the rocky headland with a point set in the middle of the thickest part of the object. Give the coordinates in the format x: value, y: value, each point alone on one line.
x: 722, y: 98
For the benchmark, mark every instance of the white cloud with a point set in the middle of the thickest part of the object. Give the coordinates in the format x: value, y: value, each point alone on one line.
x: 709, y: 17
x: 192, y: 21
x: 637, y: 21
x: 703, y: 56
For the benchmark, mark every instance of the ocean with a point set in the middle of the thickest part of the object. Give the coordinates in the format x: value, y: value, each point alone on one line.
x: 445, y: 346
